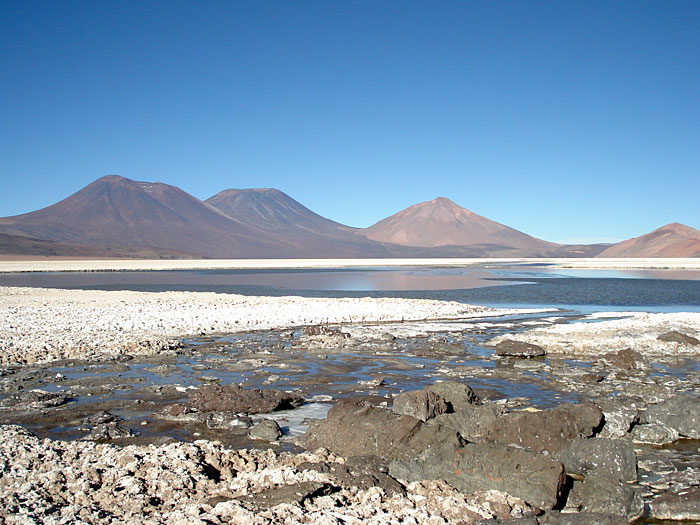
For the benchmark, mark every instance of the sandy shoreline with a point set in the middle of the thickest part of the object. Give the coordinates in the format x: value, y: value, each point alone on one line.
x: 77, y: 265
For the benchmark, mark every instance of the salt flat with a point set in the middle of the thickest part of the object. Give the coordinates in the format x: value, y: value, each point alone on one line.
x: 636, y: 330
x: 40, y: 325
x: 12, y: 264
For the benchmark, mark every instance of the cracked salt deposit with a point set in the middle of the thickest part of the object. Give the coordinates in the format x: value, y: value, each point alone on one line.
x: 635, y: 330
x: 41, y: 325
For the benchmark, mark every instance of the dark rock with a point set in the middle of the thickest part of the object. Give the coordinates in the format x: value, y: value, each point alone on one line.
x: 458, y: 395
x: 34, y: 400
x: 530, y: 520
x: 233, y: 398
x: 534, y: 478
x: 227, y: 421
x: 681, y: 413
x: 653, y: 435
x: 620, y: 414
x: 677, y: 337
x: 320, y: 330
x: 364, y: 472
x: 298, y: 494
x: 108, y: 431
x: 512, y: 348
x: 592, y: 378
x: 612, y: 456
x: 627, y: 359
x: 549, y: 430
x: 353, y: 427
x: 420, y: 404
x: 267, y: 430
x: 684, y: 505
x: 553, y: 517
x: 605, y: 493
x: 473, y: 423
x: 175, y: 410
x: 100, y: 418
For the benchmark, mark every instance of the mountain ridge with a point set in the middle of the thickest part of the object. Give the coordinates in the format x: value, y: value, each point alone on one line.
x: 120, y: 216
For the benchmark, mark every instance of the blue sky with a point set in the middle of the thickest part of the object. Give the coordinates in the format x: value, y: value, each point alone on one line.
x: 570, y: 121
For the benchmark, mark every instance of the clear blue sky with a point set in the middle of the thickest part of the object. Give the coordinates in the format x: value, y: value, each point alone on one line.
x: 567, y: 120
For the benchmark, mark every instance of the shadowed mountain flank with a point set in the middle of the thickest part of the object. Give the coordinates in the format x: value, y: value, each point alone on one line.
x: 19, y: 245
x: 281, y: 217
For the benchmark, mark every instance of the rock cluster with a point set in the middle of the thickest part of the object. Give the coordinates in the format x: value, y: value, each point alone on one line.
x: 549, y: 459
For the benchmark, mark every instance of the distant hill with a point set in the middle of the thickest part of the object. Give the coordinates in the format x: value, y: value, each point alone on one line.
x: 441, y: 222
x: 672, y: 240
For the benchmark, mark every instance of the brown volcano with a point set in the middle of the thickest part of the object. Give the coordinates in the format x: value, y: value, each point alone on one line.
x: 116, y: 211
x: 441, y: 222
x: 672, y: 240
x: 119, y: 216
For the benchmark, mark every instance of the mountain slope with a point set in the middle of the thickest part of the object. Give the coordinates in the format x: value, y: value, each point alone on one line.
x: 672, y: 240
x: 441, y: 222
x: 281, y: 217
x: 117, y: 211
x: 274, y: 210
x: 18, y: 245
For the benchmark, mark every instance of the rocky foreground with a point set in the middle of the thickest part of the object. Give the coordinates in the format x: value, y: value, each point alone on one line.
x: 618, y: 442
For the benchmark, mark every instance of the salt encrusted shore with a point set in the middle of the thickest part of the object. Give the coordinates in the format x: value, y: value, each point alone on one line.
x: 46, y: 481
x: 41, y: 325
x: 636, y: 330
x: 70, y: 264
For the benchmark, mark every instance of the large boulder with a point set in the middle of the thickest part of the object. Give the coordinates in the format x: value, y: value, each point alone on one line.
x: 473, y: 423
x: 458, y: 395
x: 605, y: 493
x: 680, y: 413
x: 546, y: 430
x: 612, y: 456
x: 535, y: 478
x: 267, y: 430
x: 608, y: 466
x: 354, y: 427
x: 421, y: 404
x: 233, y: 398
x: 620, y: 414
x: 653, y: 435
x: 512, y: 348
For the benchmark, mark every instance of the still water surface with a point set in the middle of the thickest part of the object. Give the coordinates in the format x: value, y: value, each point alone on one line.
x: 488, y: 284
